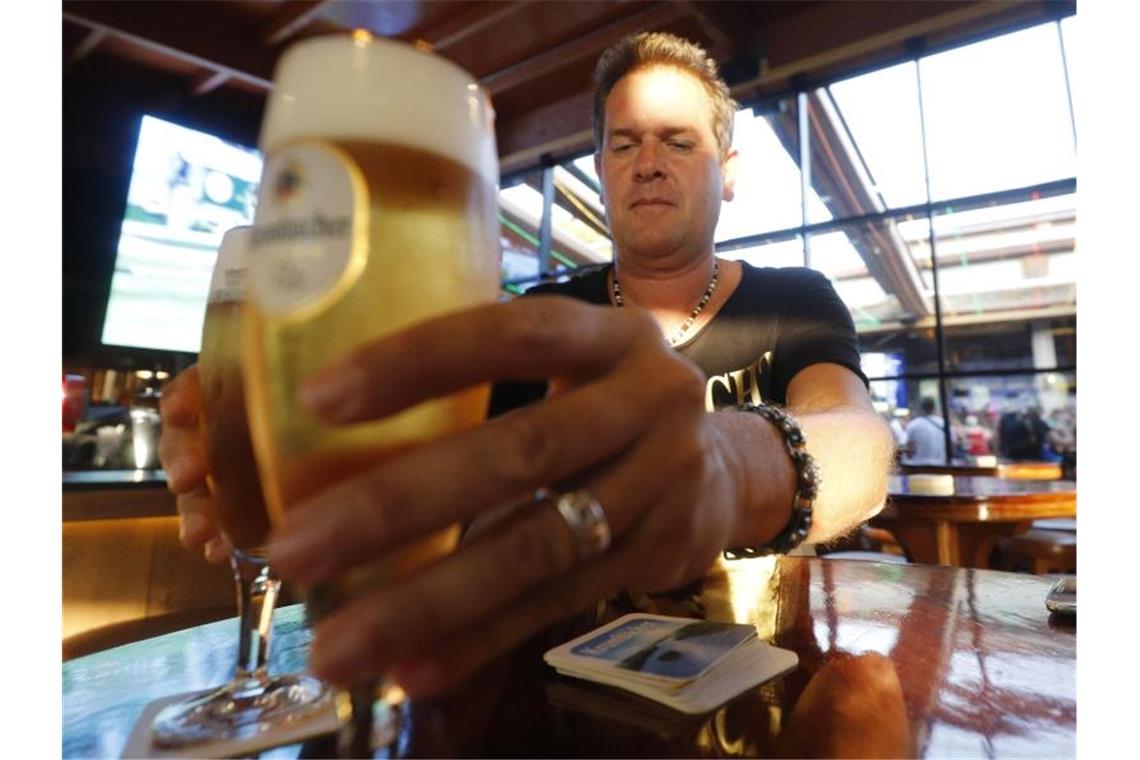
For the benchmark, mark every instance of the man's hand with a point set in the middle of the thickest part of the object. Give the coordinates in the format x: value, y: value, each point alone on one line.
x: 182, y: 453
x: 627, y: 422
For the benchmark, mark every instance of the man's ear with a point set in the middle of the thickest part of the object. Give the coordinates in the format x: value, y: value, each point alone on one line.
x: 729, y: 167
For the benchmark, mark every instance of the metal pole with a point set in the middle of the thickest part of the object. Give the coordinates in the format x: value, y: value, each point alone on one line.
x: 805, y: 168
x: 939, y: 334
x: 545, y: 233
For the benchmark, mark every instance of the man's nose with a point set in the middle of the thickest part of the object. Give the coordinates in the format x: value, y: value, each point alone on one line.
x: 649, y: 164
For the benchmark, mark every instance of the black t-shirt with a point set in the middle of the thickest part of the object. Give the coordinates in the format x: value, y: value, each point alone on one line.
x: 776, y: 323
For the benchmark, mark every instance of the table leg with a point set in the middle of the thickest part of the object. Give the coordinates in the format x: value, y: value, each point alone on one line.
x: 976, y: 540
x: 919, y: 540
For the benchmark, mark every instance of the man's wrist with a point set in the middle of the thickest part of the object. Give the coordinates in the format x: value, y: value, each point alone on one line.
x: 804, y: 491
x: 761, y: 473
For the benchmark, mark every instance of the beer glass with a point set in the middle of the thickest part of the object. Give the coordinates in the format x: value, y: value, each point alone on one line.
x: 252, y: 701
x: 377, y: 210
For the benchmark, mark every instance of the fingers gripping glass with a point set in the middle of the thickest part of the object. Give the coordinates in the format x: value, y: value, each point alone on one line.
x: 374, y: 214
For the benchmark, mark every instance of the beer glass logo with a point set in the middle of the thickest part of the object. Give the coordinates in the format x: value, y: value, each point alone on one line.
x: 302, y: 244
x: 289, y: 183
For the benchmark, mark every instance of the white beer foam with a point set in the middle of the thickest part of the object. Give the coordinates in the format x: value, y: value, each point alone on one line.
x: 227, y: 282
x: 344, y: 87
x: 232, y: 250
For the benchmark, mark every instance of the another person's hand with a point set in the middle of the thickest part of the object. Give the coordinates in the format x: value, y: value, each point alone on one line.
x: 183, y: 457
x: 628, y: 422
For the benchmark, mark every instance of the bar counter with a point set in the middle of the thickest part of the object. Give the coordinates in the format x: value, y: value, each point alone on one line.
x: 905, y: 661
x: 115, y: 494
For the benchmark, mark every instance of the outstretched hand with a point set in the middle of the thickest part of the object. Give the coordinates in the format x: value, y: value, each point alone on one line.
x: 627, y: 421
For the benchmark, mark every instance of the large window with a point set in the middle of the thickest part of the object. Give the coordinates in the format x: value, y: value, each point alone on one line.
x: 938, y: 196
x: 769, y: 180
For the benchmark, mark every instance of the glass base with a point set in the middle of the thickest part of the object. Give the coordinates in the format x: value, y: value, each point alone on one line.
x: 238, y: 710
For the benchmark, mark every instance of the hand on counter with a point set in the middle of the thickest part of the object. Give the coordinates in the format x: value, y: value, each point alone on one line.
x: 182, y: 453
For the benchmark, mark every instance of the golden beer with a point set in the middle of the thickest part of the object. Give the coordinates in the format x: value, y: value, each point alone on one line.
x: 377, y: 210
x: 233, y: 477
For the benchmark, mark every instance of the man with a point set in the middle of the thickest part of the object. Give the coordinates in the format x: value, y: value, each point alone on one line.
x: 925, y: 439
x: 627, y: 369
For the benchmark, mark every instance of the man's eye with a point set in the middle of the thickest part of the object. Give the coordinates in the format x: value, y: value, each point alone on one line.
x: 622, y: 147
x: 681, y: 145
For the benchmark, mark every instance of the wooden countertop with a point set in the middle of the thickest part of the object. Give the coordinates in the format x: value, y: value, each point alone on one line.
x: 945, y: 662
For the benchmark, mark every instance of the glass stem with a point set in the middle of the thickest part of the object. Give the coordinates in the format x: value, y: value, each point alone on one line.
x: 257, y: 589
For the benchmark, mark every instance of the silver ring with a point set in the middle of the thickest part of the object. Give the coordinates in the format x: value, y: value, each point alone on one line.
x: 586, y: 519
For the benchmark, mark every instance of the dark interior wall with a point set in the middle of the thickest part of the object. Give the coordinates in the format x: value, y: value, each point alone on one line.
x: 104, y: 99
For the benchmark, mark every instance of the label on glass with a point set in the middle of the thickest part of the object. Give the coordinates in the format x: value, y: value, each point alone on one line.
x: 310, y: 206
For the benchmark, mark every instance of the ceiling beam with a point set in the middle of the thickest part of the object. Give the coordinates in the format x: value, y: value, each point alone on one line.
x: 581, y: 210
x: 215, y: 53
x: 721, y: 46
x: 555, y: 129
x: 209, y: 82
x: 292, y: 18
x: 529, y: 69
x: 845, y: 189
x: 91, y: 41
x: 457, y: 28
x: 834, y: 35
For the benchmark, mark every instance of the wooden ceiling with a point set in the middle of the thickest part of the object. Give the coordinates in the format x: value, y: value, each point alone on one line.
x: 536, y: 57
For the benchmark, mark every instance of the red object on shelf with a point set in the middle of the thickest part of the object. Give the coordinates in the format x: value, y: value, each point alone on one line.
x: 74, y: 401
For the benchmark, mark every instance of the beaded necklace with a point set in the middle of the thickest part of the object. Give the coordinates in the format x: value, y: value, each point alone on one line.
x: 616, y: 289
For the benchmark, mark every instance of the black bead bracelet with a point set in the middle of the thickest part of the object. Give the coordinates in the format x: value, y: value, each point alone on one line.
x: 807, y: 486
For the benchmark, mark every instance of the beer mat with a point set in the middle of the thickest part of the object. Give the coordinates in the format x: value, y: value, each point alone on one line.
x: 653, y: 649
x: 726, y: 660
x: 139, y: 745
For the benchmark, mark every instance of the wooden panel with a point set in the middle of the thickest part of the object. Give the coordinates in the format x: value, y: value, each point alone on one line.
x: 104, y: 504
x: 115, y: 570
x: 106, y: 572
x: 534, y: 29
x: 183, y: 580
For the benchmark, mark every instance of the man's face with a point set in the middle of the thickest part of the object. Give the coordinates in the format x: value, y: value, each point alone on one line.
x: 662, y: 175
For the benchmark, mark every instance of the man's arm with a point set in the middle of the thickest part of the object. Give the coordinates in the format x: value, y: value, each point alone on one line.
x: 852, y: 447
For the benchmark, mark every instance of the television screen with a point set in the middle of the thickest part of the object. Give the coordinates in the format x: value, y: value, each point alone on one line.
x: 187, y: 188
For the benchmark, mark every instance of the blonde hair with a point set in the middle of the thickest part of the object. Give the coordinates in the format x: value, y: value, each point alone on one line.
x: 663, y: 49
